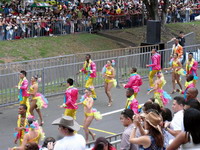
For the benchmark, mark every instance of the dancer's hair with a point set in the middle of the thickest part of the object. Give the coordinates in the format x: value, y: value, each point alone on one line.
x: 70, y: 81
x: 23, y: 72
x: 24, y: 106
x: 134, y: 69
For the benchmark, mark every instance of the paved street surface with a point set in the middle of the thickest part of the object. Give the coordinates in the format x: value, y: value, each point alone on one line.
x: 109, y: 125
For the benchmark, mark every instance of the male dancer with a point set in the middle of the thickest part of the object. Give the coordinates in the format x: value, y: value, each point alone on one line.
x: 89, y: 68
x: 134, y: 82
x: 155, y: 66
x: 23, y: 89
x: 21, y: 123
x: 191, y: 66
x: 71, y: 96
x: 131, y: 102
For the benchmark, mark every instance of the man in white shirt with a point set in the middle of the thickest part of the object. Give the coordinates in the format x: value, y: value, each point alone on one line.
x: 71, y: 140
x: 176, y: 125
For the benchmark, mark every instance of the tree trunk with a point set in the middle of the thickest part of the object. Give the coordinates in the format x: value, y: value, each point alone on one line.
x: 164, y: 11
x: 152, y: 9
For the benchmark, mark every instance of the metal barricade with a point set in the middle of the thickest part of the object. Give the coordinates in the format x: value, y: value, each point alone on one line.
x: 69, y: 59
x: 54, y: 77
x: 115, y: 140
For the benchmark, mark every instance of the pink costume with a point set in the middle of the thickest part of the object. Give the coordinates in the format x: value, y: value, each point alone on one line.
x: 193, y: 69
x: 23, y: 85
x: 155, y: 59
x: 134, y: 82
x: 71, y: 96
x: 91, y: 67
x: 132, y: 103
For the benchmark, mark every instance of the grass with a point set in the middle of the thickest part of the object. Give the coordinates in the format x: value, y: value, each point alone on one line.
x: 33, y: 48
x: 41, y: 47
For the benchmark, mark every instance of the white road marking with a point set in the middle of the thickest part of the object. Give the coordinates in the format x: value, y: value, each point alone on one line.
x: 112, y: 112
x: 115, y: 111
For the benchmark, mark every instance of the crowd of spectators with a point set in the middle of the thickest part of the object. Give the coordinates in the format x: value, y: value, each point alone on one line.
x: 67, y: 18
x: 17, y: 21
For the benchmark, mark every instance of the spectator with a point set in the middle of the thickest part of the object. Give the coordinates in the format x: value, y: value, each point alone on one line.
x: 154, y: 140
x: 192, y: 93
x: 189, y: 139
x: 48, y: 144
x: 176, y: 125
x: 127, y: 121
x: 31, y: 146
x: 102, y: 144
x: 192, y: 103
x: 67, y: 126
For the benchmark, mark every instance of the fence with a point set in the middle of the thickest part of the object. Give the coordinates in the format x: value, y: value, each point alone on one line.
x: 115, y: 140
x: 35, y: 28
x: 69, y: 59
x: 190, y: 39
x: 54, y: 77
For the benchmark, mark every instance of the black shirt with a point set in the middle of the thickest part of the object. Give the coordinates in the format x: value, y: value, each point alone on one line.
x: 181, y: 41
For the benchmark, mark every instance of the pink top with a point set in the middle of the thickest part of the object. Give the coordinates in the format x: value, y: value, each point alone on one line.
x: 134, y: 82
x: 71, y: 97
x: 193, y: 69
x: 156, y: 60
x: 134, y: 106
x: 24, y: 87
x: 92, y: 68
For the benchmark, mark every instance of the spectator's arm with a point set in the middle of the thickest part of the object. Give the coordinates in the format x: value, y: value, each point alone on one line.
x: 173, y: 132
x: 179, y: 140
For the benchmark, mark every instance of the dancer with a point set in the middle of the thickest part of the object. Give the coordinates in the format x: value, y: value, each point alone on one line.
x: 109, y: 81
x: 154, y: 66
x: 177, y: 49
x: 23, y: 88
x: 131, y: 102
x: 22, y: 122
x: 89, y: 68
x: 37, y: 100
x: 34, y: 134
x: 161, y: 97
x: 134, y: 82
x: 89, y: 113
x: 190, y: 83
x: 177, y: 70
x: 191, y: 66
x: 71, y: 96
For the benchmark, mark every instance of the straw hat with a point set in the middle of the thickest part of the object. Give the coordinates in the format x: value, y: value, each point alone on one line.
x: 68, y: 122
x: 154, y: 120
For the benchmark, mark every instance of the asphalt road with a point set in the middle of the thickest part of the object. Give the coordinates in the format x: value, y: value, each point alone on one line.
x: 109, y: 125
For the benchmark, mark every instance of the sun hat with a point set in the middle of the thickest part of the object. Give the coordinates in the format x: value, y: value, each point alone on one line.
x: 68, y: 122
x: 154, y: 120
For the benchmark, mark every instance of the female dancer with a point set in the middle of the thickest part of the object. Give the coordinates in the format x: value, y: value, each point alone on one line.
x: 33, y: 135
x: 177, y: 70
x: 89, y: 113
x: 37, y: 100
x: 109, y: 75
x: 161, y: 97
